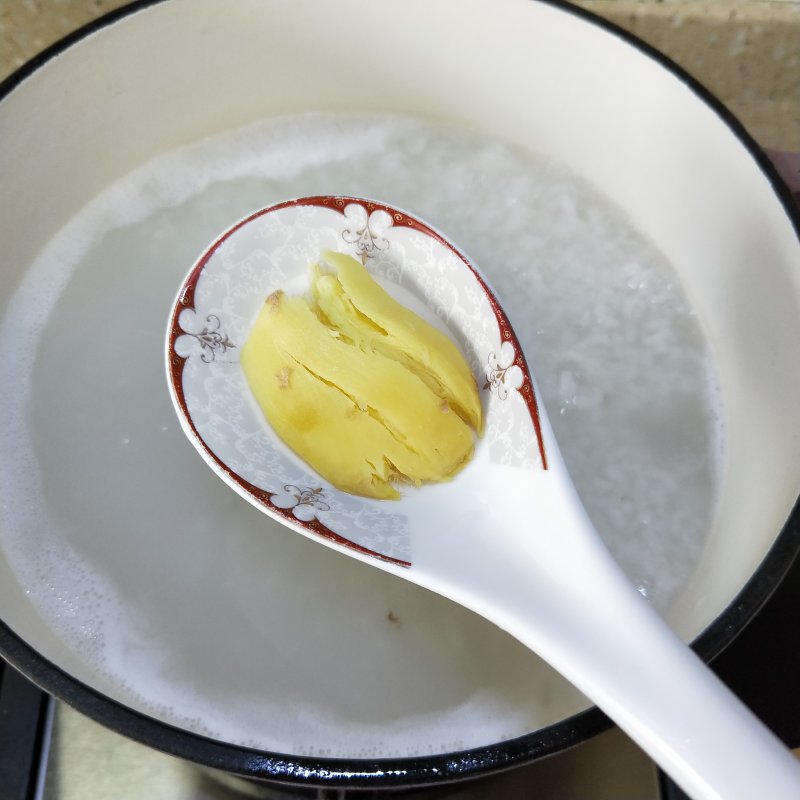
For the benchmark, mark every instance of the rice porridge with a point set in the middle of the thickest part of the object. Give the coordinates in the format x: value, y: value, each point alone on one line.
x: 179, y: 599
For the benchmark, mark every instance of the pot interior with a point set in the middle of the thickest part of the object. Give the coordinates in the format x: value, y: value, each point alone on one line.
x: 346, y: 647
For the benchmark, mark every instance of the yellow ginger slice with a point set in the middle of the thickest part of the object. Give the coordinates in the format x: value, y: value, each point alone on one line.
x: 362, y: 419
x: 360, y: 308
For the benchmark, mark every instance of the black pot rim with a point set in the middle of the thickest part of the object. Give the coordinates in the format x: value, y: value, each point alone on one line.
x: 426, y: 770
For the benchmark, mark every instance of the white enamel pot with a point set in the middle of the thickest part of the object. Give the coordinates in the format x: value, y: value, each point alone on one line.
x: 541, y: 75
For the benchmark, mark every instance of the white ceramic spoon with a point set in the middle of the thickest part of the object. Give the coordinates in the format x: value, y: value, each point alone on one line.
x: 508, y: 537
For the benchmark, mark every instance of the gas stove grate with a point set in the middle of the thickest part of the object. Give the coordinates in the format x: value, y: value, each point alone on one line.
x: 25, y: 723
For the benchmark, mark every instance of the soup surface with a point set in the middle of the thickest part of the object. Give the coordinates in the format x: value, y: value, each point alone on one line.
x: 178, y: 598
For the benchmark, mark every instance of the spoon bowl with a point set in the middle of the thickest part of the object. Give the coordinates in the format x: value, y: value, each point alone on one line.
x: 272, y: 250
x: 508, y: 536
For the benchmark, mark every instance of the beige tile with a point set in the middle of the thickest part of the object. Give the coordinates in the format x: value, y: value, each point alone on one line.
x: 29, y: 26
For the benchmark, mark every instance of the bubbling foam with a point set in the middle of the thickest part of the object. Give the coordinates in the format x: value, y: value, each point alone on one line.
x: 176, y: 598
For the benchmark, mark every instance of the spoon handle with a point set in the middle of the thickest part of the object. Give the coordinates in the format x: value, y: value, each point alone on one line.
x: 548, y: 580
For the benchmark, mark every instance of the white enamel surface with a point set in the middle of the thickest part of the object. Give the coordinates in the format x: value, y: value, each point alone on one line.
x: 515, y: 69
